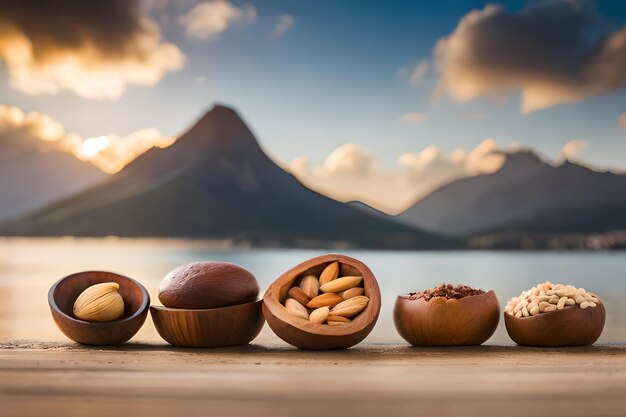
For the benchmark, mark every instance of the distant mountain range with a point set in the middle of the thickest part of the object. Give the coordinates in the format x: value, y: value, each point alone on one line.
x: 526, y: 196
x: 34, y: 173
x: 215, y: 181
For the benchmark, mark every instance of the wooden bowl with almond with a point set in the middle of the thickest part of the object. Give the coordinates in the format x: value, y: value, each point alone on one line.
x: 97, y: 325
x: 328, y: 302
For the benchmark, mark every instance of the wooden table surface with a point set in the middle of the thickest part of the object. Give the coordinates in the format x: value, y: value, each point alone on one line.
x: 49, y: 379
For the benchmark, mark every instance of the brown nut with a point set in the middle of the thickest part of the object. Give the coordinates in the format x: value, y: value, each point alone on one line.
x: 207, y: 285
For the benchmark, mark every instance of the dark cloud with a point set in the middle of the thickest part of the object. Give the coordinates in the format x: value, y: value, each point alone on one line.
x: 94, y: 48
x: 73, y: 24
x: 552, y: 52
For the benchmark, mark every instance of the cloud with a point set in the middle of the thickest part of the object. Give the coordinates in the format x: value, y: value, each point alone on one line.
x: 551, y: 52
x: 485, y: 158
x: 419, y: 72
x: 210, y: 18
x: 622, y: 120
x: 283, y: 25
x: 18, y: 129
x: 416, y: 74
x: 571, y: 150
x: 349, y: 160
x: 92, y: 49
x: 352, y: 173
x: 110, y: 152
x: 413, y: 117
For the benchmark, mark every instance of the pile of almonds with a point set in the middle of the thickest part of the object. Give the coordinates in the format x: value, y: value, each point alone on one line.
x: 340, y: 300
x: 548, y: 297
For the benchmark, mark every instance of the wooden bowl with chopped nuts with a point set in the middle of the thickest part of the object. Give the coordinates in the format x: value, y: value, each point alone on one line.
x: 555, y: 315
x: 447, y: 316
x: 328, y: 302
x: 96, y: 327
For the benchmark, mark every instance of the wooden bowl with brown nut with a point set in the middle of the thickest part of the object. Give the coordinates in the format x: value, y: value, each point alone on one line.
x: 63, y: 296
x: 212, y: 327
x: 328, y: 302
x: 208, y: 304
x: 447, y: 321
x: 558, y: 316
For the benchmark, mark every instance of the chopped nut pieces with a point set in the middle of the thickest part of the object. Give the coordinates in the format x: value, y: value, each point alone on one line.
x: 447, y: 291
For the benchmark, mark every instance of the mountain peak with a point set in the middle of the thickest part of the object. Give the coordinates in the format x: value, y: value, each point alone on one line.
x: 221, y: 110
x: 219, y: 133
x: 523, y: 160
x: 220, y: 129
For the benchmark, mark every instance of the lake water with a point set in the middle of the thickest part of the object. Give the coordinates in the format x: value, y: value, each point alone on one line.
x: 28, y: 267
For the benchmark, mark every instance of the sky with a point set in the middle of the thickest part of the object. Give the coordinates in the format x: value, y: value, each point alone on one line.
x: 351, y: 96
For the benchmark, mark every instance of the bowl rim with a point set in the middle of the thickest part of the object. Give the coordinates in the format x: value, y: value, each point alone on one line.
x: 405, y: 297
x: 145, y: 299
x: 547, y: 314
x: 163, y: 308
x: 361, y: 322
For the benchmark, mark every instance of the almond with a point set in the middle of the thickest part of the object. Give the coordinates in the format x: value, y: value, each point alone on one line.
x: 319, y: 316
x: 341, y: 284
x: 100, y: 303
x: 310, y: 285
x: 338, y: 319
x: 335, y: 323
x: 330, y: 273
x: 297, y: 309
x: 350, y: 307
x: 352, y: 292
x: 325, y: 300
x: 298, y: 294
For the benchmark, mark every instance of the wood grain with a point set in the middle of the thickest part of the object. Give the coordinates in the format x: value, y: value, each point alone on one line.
x: 306, y: 335
x: 52, y: 379
x: 441, y: 322
x: 214, y: 327
x: 64, y: 292
x: 572, y: 326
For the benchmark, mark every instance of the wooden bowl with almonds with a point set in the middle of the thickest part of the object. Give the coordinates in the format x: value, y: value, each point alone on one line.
x: 328, y: 302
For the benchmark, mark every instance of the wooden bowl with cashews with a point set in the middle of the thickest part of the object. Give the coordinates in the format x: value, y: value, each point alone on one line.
x: 555, y: 315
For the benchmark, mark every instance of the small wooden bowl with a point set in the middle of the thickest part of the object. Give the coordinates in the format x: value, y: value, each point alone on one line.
x: 306, y: 335
x: 469, y: 320
x: 211, y: 327
x: 572, y: 326
x: 64, y: 293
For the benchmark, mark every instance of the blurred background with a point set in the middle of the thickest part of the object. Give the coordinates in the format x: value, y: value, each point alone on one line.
x: 453, y: 141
